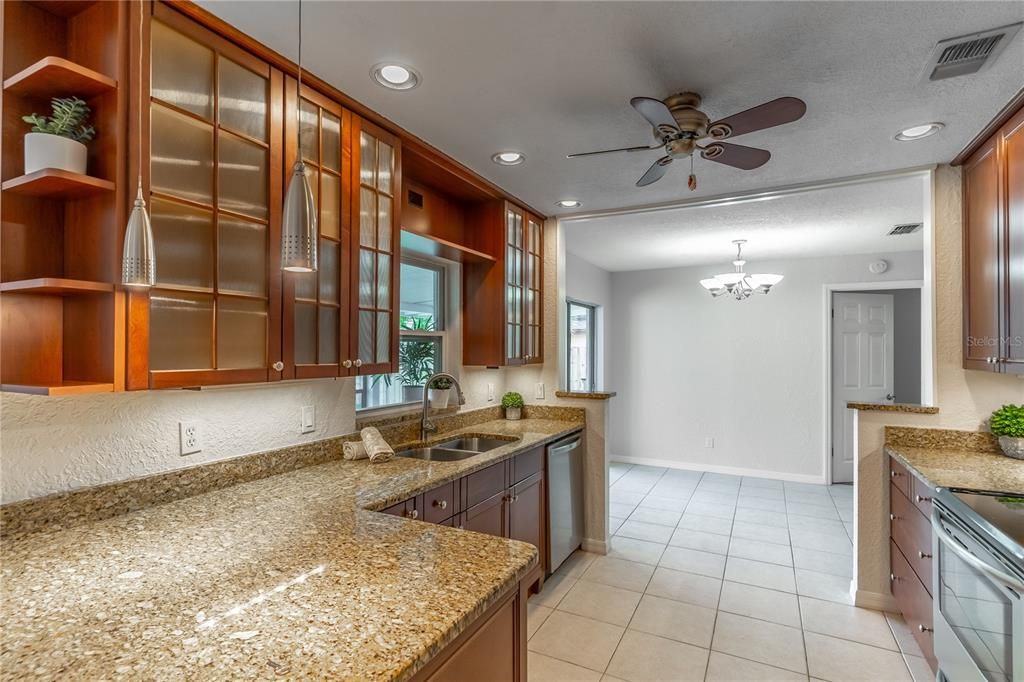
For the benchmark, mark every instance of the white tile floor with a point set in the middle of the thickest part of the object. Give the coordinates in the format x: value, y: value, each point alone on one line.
x: 716, y: 577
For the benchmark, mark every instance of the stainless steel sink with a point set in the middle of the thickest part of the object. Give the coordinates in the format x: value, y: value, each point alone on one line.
x: 473, y: 444
x: 436, y: 454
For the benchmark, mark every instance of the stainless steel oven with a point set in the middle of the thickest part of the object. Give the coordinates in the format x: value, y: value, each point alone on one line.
x: 979, y: 586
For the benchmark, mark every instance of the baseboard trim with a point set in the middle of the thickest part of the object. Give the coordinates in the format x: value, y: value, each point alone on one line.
x: 595, y: 546
x: 718, y: 469
x: 876, y: 601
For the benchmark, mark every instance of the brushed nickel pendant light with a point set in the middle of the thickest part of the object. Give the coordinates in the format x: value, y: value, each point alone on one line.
x: 138, y: 264
x: 298, y: 228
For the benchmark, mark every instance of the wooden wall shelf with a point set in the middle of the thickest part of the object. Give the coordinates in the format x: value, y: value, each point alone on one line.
x: 66, y: 388
x: 56, y: 287
x: 435, y: 246
x: 56, y: 76
x: 57, y: 184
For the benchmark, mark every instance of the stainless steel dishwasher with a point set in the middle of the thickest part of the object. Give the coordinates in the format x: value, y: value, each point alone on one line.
x: 565, y: 498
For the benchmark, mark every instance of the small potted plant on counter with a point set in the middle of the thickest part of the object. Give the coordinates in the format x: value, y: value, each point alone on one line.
x: 439, y: 392
x: 513, y: 404
x: 58, y: 141
x: 1008, y: 424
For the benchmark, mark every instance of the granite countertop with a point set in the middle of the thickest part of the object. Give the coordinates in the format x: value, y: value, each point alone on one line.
x: 950, y: 467
x: 287, y: 576
x: 908, y: 408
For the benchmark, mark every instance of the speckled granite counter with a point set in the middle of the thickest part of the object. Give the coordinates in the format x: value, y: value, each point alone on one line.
x: 956, y: 459
x: 286, y: 576
x: 907, y: 408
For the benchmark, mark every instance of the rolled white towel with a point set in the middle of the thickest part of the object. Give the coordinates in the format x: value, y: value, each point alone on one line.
x: 377, y: 449
x: 353, y: 449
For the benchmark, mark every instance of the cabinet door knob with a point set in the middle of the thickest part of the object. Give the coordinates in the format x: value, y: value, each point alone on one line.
x: 922, y: 628
x: 920, y: 498
x: 278, y: 366
x: 346, y: 364
x: 893, y: 473
x: 412, y: 514
x: 893, y: 517
x: 441, y: 504
x: 893, y: 578
x: 358, y: 363
x: 922, y: 555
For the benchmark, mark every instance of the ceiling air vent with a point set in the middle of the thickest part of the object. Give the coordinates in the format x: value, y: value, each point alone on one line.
x: 905, y: 228
x: 968, y: 54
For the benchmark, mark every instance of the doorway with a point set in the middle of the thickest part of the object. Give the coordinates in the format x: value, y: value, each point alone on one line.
x: 581, y: 347
x: 875, y: 358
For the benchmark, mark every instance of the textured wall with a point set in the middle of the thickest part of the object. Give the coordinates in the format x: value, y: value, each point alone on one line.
x: 965, y: 397
x: 588, y: 283
x: 748, y: 374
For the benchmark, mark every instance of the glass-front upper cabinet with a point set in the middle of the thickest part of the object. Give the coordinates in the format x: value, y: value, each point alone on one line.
x: 376, y: 182
x: 533, y: 304
x: 214, y: 181
x: 317, y: 305
x: 515, y: 247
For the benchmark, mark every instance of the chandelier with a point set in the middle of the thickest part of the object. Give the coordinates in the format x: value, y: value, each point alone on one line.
x: 738, y: 283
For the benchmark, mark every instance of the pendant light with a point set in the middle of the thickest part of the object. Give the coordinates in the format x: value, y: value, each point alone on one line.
x: 298, y: 228
x: 138, y: 266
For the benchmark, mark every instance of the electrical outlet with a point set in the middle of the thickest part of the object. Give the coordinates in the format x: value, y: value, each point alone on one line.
x: 191, y: 437
x: 709, y: 442
x: 308, y: 419
x: 538, y: 391
x: 490, y: 393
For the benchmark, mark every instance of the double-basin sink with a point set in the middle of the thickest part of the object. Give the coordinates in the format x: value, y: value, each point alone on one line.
x: 455, y: 449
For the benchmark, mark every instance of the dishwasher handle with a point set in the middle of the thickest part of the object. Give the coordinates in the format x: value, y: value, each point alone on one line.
x: 564, y: 448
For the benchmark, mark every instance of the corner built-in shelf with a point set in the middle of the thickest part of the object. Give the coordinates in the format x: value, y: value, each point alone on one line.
x: 435, y: 246
x: 55, y: 286
x: 64, y: 8
x: 65, y: 388
x: 56, y: 77
x: 57, y: 184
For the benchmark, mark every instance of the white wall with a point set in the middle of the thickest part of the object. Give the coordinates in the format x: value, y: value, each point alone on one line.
x: 747, y: 374
x: 587, y: 283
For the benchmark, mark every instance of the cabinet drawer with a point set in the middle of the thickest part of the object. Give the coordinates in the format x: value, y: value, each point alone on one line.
x: 396, y: 509
x: 912, y: 532
x: 526, y: 465
x: 914, y: 601
x: 439, y: 503
x: 487, y: 517
x: 900, y: 477
x: 485, y: 483
x: 922, y: 496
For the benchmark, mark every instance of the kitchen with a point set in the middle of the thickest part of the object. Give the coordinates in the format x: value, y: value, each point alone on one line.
x: 176, y: 500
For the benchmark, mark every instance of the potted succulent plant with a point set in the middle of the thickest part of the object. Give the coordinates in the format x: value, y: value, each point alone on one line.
x: 58, y: 141
x: 439, y: 392
x: 1008, y: 424
x: 513, y: 404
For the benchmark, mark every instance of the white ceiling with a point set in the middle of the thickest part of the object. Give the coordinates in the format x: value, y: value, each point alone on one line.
x: 835, y: 221
x: 551, y: 78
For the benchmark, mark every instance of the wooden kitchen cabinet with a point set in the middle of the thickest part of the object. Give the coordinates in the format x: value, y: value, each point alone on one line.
x: 503, y: 301
x: 488, y: 516
x: 993, y: 252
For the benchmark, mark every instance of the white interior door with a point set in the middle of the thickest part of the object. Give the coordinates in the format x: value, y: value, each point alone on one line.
x: 862, y: 357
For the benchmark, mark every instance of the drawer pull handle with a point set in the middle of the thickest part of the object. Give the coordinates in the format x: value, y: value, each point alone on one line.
x: 893, y: 517
x: 893, y: 578
x: 922, y: 628
x: 893, y: 473
x: 442, y: 504
x: 412, y: 514
x: 922, y: 499
x: 922, y: 555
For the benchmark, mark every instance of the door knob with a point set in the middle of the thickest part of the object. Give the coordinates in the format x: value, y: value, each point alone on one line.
x: 278, y: 366
x: 890, y: 396
x: 346, y: 364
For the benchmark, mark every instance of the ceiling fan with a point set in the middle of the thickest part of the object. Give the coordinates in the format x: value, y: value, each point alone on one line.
x: 678, y: 124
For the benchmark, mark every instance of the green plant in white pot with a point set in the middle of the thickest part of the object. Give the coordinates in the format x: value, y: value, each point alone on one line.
x: 1008, y: 424
x: 439, y: 391
x: 58, y: 141
x: 513, y: 404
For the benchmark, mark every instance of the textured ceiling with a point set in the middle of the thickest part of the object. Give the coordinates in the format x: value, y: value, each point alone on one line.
x: 552, y: 78
x: 843, y: 220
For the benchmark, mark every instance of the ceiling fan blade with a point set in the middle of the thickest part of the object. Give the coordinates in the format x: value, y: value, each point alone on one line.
x: 655, y: 172
x: 656, y: 113
x: 612, y: 151
x: 736, y: 155
x: 770, y: 114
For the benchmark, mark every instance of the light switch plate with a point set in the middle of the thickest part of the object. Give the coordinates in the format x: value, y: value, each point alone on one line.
x: 190, y: 438
x: 308, y: 421
x: 490, y: 393
x: 538, y: 391
x: 709, y: 442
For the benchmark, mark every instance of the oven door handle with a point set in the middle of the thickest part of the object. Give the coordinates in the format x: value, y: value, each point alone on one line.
x: 945, y: 538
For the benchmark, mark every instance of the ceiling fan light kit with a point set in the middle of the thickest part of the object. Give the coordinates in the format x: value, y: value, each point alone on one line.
x: 740, y: 284
x: 679, y: 126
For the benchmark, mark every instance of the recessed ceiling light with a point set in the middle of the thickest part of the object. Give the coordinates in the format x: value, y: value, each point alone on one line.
x: 919, y: 132
x: 568, y: 203
x: 508, y: 158
x: 395, y: 76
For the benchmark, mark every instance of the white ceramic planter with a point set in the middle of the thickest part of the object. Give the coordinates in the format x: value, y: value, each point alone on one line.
x: 43, y: 150
x: 439, y: 398
x: 513, y: 413
x: 1012, y: 447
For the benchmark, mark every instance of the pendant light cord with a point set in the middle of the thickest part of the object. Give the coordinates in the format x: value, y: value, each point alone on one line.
x: 298, y: 107
x: 142, y: 18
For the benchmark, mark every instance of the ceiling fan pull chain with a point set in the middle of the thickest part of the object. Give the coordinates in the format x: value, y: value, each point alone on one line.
x: 691, y: 182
